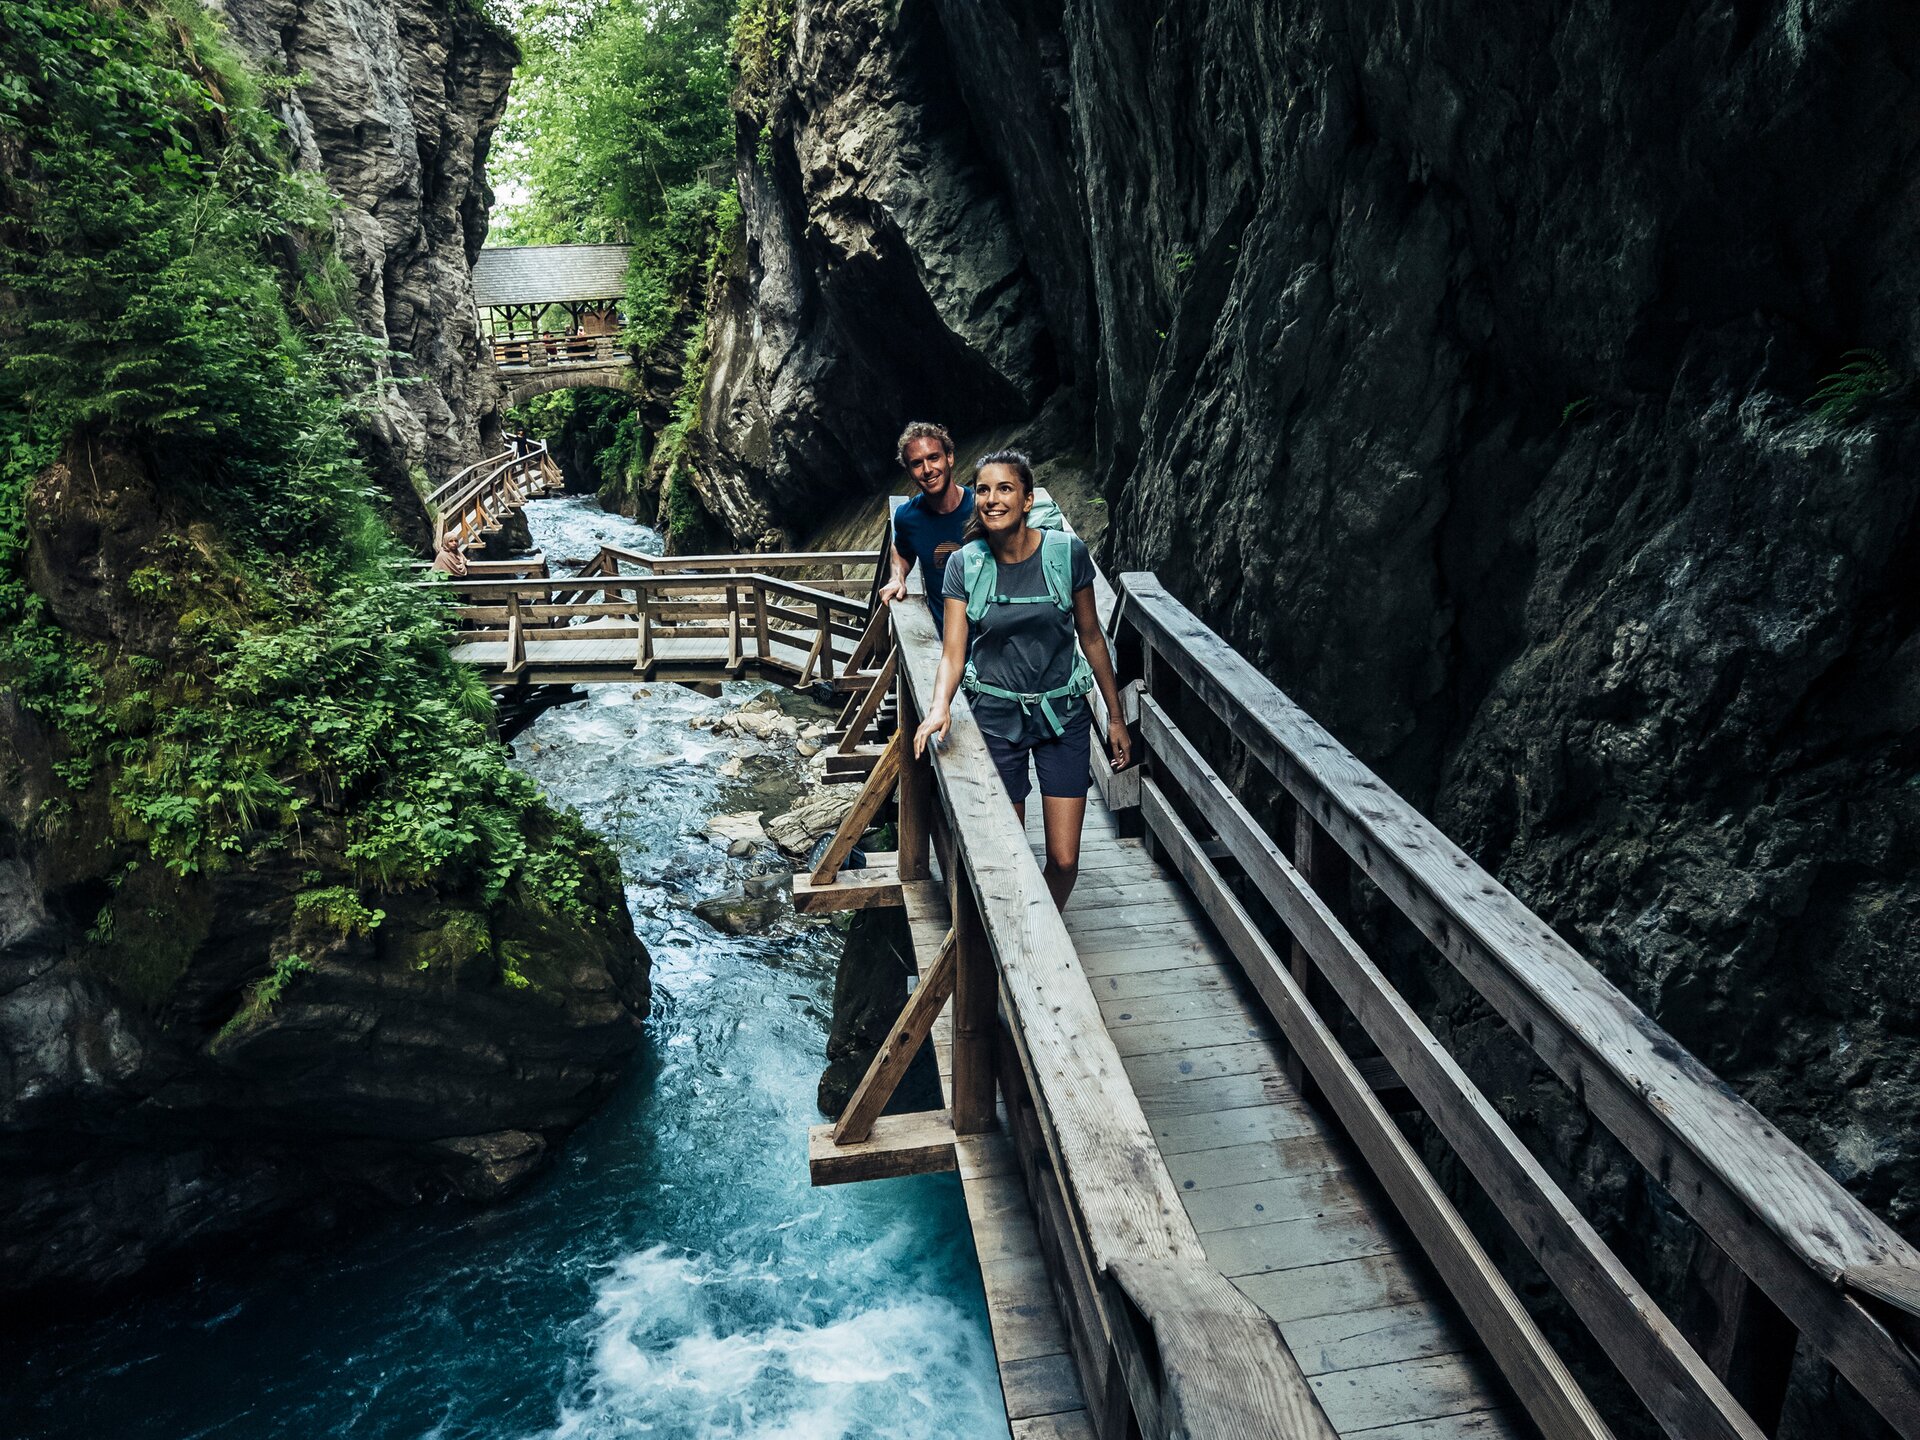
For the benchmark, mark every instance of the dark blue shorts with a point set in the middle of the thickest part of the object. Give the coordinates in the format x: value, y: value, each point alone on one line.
x: 1064, y: 764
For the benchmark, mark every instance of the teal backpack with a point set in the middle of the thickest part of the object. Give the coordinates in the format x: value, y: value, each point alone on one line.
x: 981, y: 573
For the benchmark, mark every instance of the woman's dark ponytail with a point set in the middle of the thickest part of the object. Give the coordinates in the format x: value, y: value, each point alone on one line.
x: 1014, y: 460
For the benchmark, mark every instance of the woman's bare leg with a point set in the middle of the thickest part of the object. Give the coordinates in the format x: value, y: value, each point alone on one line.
x: 1063, y: 819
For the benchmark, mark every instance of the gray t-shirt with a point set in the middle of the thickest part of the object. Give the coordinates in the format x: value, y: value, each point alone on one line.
x: 1028, y: 648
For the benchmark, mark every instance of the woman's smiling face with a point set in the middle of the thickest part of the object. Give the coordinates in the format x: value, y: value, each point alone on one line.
x: 1000, y: 500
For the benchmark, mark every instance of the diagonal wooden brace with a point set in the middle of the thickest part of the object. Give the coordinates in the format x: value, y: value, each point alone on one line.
x: 903, y: 1043
x: 869, y: 704
x: 872, y: 796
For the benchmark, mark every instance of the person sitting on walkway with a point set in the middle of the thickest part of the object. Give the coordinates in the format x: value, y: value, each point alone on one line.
x: 1016, y: 599
x: 929, y: 527
x: 448, y: 560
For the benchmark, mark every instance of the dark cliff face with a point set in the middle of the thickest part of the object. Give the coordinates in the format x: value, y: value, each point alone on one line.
x: 881, y: 278
x: 395, y: 107
x: 1453, y: 361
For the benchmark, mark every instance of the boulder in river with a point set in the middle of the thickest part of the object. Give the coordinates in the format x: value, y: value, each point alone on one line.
x: 740, y: 912
x: 736, y: 826
x: 795, y: 831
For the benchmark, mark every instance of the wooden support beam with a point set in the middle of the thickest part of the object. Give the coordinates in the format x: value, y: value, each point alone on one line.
x: 890, y: 1062
x: 820, y: 641
x: 916, y: 1144
x: 870, y: 638
x: 1740, y: 1333
x: 976, y: 995
x: 877, y: 885
x: 854, y: 823
x: 869, y: 703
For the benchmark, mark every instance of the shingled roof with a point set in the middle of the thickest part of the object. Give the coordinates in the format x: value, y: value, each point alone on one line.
x: 549, y: 274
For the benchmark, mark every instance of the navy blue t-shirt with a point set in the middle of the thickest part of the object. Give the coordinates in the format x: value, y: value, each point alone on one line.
x: 928, y: 539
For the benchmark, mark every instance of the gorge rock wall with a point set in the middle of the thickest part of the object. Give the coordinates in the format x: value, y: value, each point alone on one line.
x: 395, y: 106
x: 1454, y: 362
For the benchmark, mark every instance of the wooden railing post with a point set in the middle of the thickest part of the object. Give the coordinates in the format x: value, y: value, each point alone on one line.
x: 735, y: 657
x: 1324, y: 866
x: 976, y: 1011
x: 516, y: 637
x: 643, y: 648
x: 825, y: 612
x: 916, y: 791
x: 1739, y: 1332
x: 762, y: 647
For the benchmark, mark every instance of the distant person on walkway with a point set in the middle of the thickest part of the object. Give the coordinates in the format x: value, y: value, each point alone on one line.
x: 448, y: 560
x: 1016, y: 600
x: 928, y: 528
x: 521, y: 444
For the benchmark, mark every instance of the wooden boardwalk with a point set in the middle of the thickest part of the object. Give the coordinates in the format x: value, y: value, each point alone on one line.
x: 1282, y: 1205
x: 1170, y: 1106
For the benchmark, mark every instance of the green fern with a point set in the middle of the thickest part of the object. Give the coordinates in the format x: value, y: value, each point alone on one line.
x: 1863, y: 377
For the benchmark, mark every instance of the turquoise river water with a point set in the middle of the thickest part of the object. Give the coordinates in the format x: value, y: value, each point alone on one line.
x: 672, y: 1276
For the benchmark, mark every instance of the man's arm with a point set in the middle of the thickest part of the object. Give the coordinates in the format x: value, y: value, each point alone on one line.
x: 896, y: 586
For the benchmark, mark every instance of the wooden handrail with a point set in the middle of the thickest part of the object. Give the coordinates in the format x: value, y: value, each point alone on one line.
x: 1806, y: 1242
x: 1216, y: 1365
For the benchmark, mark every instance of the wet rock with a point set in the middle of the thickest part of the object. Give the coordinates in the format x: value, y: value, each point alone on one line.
x: 395, y: 105
x: 738, y: 912
x: 743, y: 825
x: 795, y: 831
x: 869, y: 989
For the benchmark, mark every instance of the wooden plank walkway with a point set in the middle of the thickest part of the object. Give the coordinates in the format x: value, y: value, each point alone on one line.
x: 1283, y: 1205
x: 1037, y: 1373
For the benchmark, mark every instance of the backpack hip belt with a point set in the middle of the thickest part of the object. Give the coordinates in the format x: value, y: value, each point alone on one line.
x: 1078, y: 684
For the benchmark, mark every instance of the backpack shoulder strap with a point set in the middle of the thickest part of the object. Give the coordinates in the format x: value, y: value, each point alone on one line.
x: 978, y: 572
x: 1056, y: 563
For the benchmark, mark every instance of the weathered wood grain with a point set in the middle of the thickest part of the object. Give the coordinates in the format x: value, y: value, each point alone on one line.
x: 1538, y: 1375
x: 1797, y: 1233
x: 915, y: 1144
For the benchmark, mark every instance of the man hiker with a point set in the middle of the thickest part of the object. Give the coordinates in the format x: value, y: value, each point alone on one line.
x: 928, y: 528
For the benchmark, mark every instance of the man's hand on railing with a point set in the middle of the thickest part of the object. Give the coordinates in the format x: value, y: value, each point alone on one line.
x: 894, y: 589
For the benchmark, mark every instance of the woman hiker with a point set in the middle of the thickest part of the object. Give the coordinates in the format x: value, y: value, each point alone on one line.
x: 1016, y: 599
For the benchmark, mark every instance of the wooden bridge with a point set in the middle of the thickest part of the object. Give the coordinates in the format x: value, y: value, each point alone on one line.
x: 1196, y: 1123
x: 550, y: 316
x: 474, y: 504
x: 692, y: 618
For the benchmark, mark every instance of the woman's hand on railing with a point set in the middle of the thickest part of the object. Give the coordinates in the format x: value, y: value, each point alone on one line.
x: 933, y: 727
x: 1119, y: 742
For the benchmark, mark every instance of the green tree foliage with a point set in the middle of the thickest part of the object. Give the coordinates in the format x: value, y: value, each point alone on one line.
x: 619, y: 128
x: 166, y: 287
x: 618, y: 124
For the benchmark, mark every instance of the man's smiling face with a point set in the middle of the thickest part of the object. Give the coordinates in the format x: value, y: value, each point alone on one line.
x: 930, y: 465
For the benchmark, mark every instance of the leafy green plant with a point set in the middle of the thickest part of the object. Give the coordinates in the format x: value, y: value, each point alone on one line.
x: 341, y: 909
x: 1576, y: 411
x: 1863, y: 378
x: 165, y: 282
x: 261, y: 997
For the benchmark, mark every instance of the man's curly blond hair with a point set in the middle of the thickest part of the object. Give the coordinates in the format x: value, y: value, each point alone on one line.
x: 921, y: 430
